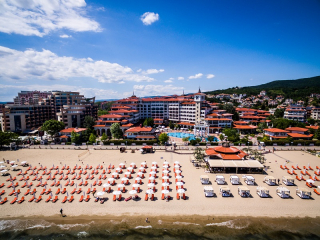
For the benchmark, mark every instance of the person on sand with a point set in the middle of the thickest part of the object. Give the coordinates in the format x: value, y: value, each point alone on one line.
x: 61, y: 211
x: 147, y: 220
x: 278, y: 181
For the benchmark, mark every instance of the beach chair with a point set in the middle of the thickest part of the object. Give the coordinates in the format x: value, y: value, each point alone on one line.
x: 21, y: 200
x: 283, y: 168
x: 13, y: 192
x: 81, y: 198
x: 65, y: 199
x: 63, y: 168
x: 88, y: 191
x: 92, y: 177
x: 178, y: 196
x: 45, y: 183
x: 21, y: 179
x: 43, y: 191
x: 48, y: 199
x: 64, y: 191
x: 2, y: 185
x: 55, y: 199
x: 71, y: 199
x: 31, y: 199
x: 25, y: 184
x: 79, y: 167
x: 80, y: 184
x: 48, y: 173
x: 104, y: 177
x: 309, y: 185
x: 100, y: 177
x: 27, y: 192
x: 79, y: 177
x: 88, y: 198
x: 34, y: 191
x: 34, y: 179
x: 72, y: 183
x: 58, y: 191
x: 87, y: 177
x: 100, y: 183
x: 146, y: 197
x: 39, y: 199
x: 4, y: 201
x: 294, y: 167
x: 3, y: 192
x: 299, y: 179
x: 85, y: 172
x: 19, y: 173
x: 316, y: 191
x: 104, y: 171
x: 92, y: 172
x: 316, y: 178
x: 184, y: 196
x: 57, y: 184
x: 85, y: 183
x: 94, y: 183
x: 162, y: 196
x: 79, y: 191
x: 67, y: 184
x: 73, y: 191
x: 302, y: 172
x: 294, y: 172
x: 66, y: 178
x: 114, y: 198
x: 52, y: 184
x: 10, y: 185
x: 14, y: 200
x: 152, y: 197
x: 109, y: 171
x: 96, y: 172
x: 120, y: 197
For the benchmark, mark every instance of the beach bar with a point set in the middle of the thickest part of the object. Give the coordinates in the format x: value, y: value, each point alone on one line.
x: 227, y: 159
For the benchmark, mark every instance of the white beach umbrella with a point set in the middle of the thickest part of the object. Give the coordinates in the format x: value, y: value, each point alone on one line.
x: 132, y: 192
x: 149, y: 191
x: 143, y: 163
x: 110, y: 179
x: 141, y: 168
x: 121, y: 185
x: 124, y: 179
x: 154, y: 163
x: 4, y: 170
x: 12, y: 162
x: 135, y: 185
x: 179, y: 177
x: 176, y: 166
x: 132, y: 164
x: 177, y: 162
x: 165, y: 191
x: 2, y: 166
x: 165, y: 184
x: 140, y: 173
x: 24, y: 162
x: 310, y: 181
x: 151, y: 178
x: 138, y: 178
x: 181, y: 190
x: 118, y: 169
x: 154, y: 167
x: 106, y: 185
x: 1, y: 162
x: 151, y: 185
x: 100, y: 194
x: 178, y: 171
x: 165, y: 171
x: 116, y: 192
x: 153, y: 172
x: 130, y: 168
x: 179, y: 183
x: 165, y: 177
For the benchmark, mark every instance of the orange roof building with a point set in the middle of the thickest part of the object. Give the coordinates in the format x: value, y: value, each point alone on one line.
x: 275, y: 133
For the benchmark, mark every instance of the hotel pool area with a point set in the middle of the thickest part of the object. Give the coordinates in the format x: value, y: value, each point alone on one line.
x: 189, y: 135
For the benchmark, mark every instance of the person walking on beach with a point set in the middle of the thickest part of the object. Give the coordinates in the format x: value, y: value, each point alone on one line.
x: 61, y: 211
x: 278, y: 181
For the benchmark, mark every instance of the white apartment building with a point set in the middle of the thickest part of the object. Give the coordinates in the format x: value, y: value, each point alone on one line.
x: 315, y: 113
x: 295, y: 113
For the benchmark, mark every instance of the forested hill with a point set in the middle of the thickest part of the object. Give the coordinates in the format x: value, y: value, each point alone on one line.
x: 296, y: 89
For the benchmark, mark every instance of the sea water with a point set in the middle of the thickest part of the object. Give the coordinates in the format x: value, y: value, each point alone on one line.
x: 235, y: 228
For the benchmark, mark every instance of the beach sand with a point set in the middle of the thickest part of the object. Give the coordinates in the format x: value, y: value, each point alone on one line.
x: 195, y: 206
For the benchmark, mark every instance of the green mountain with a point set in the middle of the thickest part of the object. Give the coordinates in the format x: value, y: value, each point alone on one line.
x: 295, y: 89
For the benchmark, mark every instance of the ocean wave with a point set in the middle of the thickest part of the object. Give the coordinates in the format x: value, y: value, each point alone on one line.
x: 185, y: 223
x: 229, y: 224
x: 82, y: 234
x: 20, y: 225
x: 137, y: 227
x: 69, y: 226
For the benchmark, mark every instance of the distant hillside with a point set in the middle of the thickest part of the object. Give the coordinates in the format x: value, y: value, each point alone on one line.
x: 295, y: 89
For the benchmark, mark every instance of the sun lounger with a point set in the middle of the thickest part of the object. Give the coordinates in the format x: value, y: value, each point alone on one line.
x: 87, y: 177
x: 13, y: 192
x: 316, y: 191
x: 31, y: 199
x: 45, y: 183
x: 88, y: 191
x: 120, y: 197
x: 53, y: 184
x: 85, y: 172
x: 81, y: 198
x: 43, y: 191
x: 65, y: 199
x: 100, y: 183
x: 152, y: 197
x: 57, y: 184
x: 67, y: 184
x: 114, y: 198
x: 66, y: 178
x: 104, y: 171
x: 309, y: 185
x: 2, y: 185
x: 27, y: 192
x: 128, y: 198
x: 85, y: 183
x: 14, y: 200
x: 178, y: 196
x: 3, y: 192
x: 88, y: 198
x: 282, y: 167
x: 79, y: 191
x: 48, y: 199
x: 73, y: 191
x: 299, y: 179
x: 78, y: 178
x: 10, y: 185
x: 25, y: 184
x: 55, y: 199
x: 71, y: 199
x: 184, y: 196
x: 11, y: 179
x: 94, y: 183
x: 64, y: 191
x: 39, y: 199
x: 146, y: 197
x: 58, y: 191
x: 4, y: 201
x: 34, y: 191
x: 316, y: 178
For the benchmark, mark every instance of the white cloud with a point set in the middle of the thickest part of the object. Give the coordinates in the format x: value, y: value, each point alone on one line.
x: 156, y: 90
x: 65, y: 36
x: 8, y: 92
x: 198, y: 75
x: 152, y: 71
x: 170, y: 80
x: 210, y: 76
x: 46, y: 65
x: 39, y: 18
x: 149, y: 17
x: 180, y: 78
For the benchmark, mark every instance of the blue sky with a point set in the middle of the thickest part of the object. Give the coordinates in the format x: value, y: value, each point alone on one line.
x: 108, y: 49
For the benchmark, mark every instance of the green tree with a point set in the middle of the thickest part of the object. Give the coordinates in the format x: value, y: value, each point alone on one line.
x: 185, y: 139
x: 163, y: 138
x: 199, y: 154
x: 311, y: 121
x: 7, y: 137
x: 104, y: 136
x: 221, y: 137
x: 148, y: 122
x: 116, y: 131
x: 279, y: 113
x: 210, y: 138
x: 88, y: 122
x: 92, y: 138
x: 232, y: 134
x: 317, y: 134
x: 52, y: 127
x: 102, y: 112
x: 262, y: 126
x: 75, y: 137
x: 171, y: 125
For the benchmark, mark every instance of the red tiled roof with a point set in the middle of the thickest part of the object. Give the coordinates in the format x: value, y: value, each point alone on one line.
x: 226, y: 153
x: 313, y: 127
x: 146, y: 136
x: 240, y: 122
x: 64, y: 136
x: 111, y: 116
x: 245, y: 127
x: 70, y: 130
x: 127, y: 125
x: 98, y: 125
x: 216, y: 119
x: 275, y: 130
x: 298, y: 135
x: 297, y: 129
x: 186, y: 123
x: 140, y: 129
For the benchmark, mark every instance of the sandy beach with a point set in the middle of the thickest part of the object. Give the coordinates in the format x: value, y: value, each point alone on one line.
x: 195, y: 205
